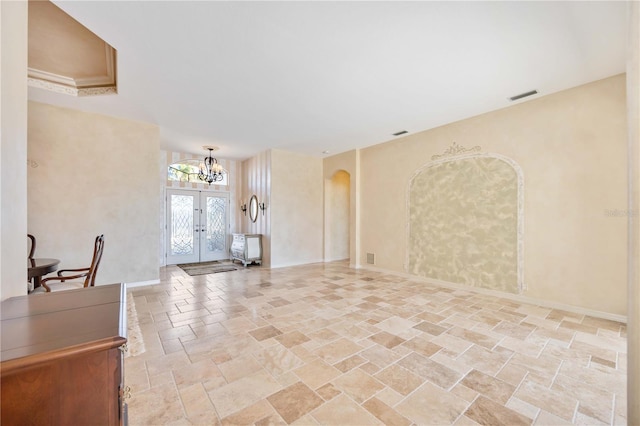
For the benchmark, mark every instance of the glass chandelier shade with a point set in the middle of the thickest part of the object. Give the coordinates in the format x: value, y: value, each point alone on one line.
x: 210, y: 170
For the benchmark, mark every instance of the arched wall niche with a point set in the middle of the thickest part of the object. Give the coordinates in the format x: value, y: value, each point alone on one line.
x: 465, y: 222
x: 337, y: 216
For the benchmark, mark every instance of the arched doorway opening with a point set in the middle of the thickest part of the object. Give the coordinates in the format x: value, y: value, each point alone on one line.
x: 337, y: 196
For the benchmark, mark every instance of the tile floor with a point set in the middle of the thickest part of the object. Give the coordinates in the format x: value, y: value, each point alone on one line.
x: 326, y: 344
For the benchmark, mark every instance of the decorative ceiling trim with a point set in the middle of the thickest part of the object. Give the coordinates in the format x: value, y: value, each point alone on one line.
x: 455, y: 150
x: 67, y: 90
x: 87, y: 86
x: 50, y: 77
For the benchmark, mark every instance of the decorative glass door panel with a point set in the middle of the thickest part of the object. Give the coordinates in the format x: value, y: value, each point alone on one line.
x: 182, y: 218
x: 213, y: 238
x: 197, y: 226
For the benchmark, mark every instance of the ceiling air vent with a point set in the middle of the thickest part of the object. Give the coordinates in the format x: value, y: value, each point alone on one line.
x: 401, y: 132
x: 523, y: 95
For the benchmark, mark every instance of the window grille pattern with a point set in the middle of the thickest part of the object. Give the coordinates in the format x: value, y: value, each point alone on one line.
x: 182, y: 224
x: 185, y: 172
x: 216, y: 214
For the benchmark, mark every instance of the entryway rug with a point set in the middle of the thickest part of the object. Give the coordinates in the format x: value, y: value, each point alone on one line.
x: 204, y: 268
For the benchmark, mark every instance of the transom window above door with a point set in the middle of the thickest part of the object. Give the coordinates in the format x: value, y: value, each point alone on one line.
x: 187, y: 171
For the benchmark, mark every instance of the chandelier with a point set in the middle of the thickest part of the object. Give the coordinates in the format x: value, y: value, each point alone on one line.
x: 210, y: 170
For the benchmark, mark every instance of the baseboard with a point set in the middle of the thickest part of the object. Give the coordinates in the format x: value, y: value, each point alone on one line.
x: 142, y: 283
x: 335, y: 260
x: 287, y: 265
x: 514, y: 297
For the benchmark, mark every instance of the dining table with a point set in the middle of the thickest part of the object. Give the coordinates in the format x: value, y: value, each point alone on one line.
x: 38, y: 267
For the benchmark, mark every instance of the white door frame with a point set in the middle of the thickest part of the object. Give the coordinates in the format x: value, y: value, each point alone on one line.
x: 198, y: 252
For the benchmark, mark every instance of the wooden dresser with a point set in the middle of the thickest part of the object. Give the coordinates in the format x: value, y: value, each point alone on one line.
x: 62, y: 359
x: 247, y: 248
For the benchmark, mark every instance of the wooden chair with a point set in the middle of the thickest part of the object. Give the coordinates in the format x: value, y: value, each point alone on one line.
x: 31, y: 250
x: 31, y: 246
x: 60, y: 282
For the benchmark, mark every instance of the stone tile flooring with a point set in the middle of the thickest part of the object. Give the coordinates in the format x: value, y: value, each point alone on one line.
x: 326, y: 344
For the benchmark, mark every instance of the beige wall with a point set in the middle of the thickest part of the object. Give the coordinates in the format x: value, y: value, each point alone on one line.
x: 95, y: 175
x: 13, y: 148
x: 295, y: 206
x: 571, y: 147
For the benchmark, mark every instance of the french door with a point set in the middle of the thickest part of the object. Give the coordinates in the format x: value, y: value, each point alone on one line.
x: 197, y: 226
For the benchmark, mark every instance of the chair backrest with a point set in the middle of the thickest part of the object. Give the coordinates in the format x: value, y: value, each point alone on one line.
x: 31, y: 246
x: 90, y: 280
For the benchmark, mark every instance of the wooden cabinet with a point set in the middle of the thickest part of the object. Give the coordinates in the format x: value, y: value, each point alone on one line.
x: 247, y: 248
x: 61, y: 357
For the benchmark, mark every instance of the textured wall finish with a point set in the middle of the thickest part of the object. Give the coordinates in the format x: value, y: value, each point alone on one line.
x: 463, y: 223
x: 296, y: 209
x: 96, y: 175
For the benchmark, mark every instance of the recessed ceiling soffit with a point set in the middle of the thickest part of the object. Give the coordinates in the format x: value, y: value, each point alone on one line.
x: 65, y: 57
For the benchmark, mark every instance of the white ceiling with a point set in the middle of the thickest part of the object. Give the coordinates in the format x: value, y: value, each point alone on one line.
x: 333, y: 76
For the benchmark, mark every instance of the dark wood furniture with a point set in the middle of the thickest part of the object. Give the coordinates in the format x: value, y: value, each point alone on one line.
x: 31, y: 251
x: 62, y: 359
x: 36, y: 268
x: 89, y: 274
x: 31, y: 246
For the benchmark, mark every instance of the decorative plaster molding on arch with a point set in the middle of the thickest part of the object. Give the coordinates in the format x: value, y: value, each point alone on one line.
x: 335, y: 170
x: 462, y: 154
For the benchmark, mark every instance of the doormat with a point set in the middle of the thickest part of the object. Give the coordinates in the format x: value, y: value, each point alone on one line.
x: 204, y: 268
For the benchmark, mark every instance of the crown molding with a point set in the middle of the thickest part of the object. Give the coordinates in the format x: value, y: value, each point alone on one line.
x: 86, y: 86
x: 72, y: 91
